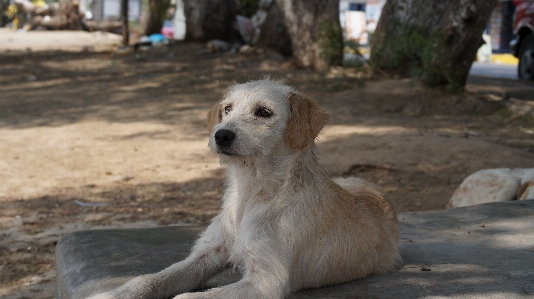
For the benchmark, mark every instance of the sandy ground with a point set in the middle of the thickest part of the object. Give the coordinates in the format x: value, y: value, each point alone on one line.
x: 94, y: 140
x: 71, y: 41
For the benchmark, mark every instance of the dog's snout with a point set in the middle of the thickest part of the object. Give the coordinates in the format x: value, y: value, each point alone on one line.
x: 224, y: 137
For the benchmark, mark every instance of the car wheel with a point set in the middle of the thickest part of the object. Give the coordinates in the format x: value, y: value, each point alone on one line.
x: 525, y: 69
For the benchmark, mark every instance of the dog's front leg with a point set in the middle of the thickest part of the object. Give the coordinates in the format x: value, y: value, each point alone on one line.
x: 266, y: 275
x: 208, y: 257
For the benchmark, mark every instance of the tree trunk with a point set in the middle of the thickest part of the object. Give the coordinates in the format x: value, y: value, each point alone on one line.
x: 434, y: 40
x: 157, y: 11
x: 274, y: 32
x: 4, y: 4
x: 315, y: 32
x: 124, y: 16
x: 209, y: 19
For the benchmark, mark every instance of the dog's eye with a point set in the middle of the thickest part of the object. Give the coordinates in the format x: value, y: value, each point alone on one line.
x: 227, y: 109
x: 263, y: 112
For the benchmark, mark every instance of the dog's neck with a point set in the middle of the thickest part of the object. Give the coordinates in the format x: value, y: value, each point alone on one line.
x: 254, y: 179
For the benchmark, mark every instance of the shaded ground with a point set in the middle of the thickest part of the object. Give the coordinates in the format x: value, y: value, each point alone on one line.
x: 107, y: 140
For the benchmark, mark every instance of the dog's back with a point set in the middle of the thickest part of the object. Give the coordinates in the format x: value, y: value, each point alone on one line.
x: 357, y: 236
x: 373, y: 199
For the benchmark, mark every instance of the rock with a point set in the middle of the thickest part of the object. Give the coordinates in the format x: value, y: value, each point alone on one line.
x: 481, y: 251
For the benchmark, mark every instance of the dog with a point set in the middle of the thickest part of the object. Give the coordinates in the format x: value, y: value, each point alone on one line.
x: 493, y: 185
x: 284, y: 224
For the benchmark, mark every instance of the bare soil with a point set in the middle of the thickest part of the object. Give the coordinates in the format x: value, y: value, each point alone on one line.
x: 94, y: 140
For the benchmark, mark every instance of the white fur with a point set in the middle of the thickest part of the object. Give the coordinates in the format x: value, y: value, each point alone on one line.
x: 284, y: 224
x: 493, y: 185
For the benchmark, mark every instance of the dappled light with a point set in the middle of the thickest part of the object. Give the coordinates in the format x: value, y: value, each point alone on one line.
x: 84, y: 65
x: 338, y: 131
x: 97, y: 136
x: 117, y: 141
x: 393, y: 156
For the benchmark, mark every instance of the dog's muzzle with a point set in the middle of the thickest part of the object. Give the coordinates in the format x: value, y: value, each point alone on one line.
x: 224, y: 138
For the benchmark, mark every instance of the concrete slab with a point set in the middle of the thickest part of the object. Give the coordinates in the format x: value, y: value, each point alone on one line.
x: 483, y: 251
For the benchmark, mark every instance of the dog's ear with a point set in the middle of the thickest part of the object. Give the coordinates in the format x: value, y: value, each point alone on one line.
x: 522, y: 193
x: 214, y: 116
x: 305, y: 122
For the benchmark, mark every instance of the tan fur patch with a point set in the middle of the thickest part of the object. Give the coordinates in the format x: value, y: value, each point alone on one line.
x: 374, y: 213
x: 214, y: 116
x: 306, y: 121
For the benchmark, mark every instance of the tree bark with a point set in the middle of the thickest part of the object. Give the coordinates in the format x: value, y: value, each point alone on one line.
x: 274, y: 32
x: 125, y: 30
x: 4, y: 4
x: 157, y: 10
x: 434, y: 40
x: 209, y: 19
x: 315, y: 32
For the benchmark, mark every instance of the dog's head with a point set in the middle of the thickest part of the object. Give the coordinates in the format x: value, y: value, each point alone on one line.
x: 262, y: 118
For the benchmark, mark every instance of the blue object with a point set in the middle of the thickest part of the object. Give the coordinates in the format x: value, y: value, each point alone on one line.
x: 157, y: 38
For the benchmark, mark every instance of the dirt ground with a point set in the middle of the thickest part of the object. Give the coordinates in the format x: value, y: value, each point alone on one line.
x: 70, y: 41
x: 94, y: 140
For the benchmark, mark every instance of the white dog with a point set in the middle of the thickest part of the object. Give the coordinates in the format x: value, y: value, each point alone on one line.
x: 492, y: 185
x: 284, y: 224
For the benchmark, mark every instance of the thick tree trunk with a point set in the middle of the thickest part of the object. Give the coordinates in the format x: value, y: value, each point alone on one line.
x: 125, y: 29
x: 209, y: 19
x: 315, y: 32
x: 434, y: 40
x: 4, y: 4
x: 274, y: 32
x: 157, y: 10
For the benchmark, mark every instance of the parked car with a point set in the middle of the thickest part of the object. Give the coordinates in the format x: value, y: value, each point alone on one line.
x: 523, y: 44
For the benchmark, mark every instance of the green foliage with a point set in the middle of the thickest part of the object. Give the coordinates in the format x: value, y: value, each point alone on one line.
x: 416, y: 54
x: 330, y: 37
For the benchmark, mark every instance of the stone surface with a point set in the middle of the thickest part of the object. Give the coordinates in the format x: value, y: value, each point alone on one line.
x: 483, y: 251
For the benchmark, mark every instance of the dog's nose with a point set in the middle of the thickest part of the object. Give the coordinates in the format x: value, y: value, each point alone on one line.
x: 224, y: 137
